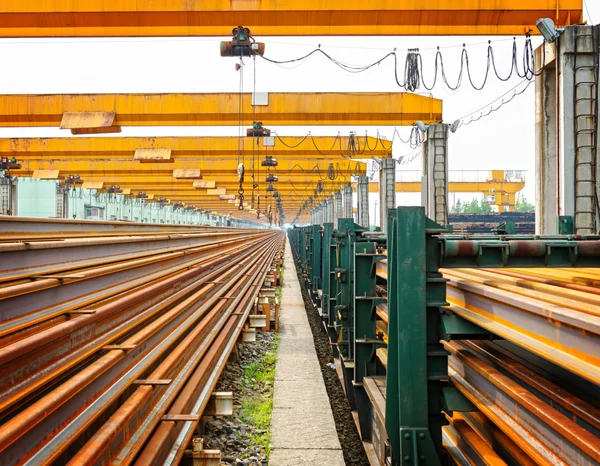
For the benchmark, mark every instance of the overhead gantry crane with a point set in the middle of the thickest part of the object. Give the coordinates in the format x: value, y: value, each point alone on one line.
x: 200, y: 171
x: 106, y: 113
x: 149, y: 18
x: 497, y: 189
x: 180, y: 148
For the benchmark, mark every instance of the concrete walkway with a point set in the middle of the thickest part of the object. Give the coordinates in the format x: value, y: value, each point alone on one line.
x: 302, y: 428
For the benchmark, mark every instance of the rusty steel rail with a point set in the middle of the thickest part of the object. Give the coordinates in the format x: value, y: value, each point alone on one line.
x: 19, y: 228
x: 67, y: 376
x: 554, y: 316
x: 527, y: 416
x: 549, y: 432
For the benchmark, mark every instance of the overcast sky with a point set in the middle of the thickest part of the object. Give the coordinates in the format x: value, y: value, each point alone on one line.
x: 503, y: 140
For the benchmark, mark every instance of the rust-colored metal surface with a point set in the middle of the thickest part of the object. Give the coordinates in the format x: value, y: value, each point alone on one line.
x: 528, y: 414
x: 125, y: 306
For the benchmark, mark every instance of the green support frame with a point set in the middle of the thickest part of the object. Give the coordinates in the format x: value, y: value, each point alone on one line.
x: 367, y: 341
x: 314, y: 258
x: 418, y: 390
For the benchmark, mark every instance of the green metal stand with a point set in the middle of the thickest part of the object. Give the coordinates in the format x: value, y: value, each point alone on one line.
x: 314, y: 261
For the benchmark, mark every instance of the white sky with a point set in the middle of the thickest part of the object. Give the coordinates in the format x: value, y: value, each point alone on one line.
x: 503, y: 140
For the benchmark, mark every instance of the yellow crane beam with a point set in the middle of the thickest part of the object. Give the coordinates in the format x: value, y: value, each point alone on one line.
x: 194, y: 148
x: 309, y: 171
x: 458, y: 186
x: 147, y: 18
x: 108, y: 112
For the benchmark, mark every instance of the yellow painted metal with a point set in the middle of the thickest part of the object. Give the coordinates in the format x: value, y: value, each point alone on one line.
x: 83, y: 120
x: 495, y: 190
x: 217, y: 148
x: 158, y: 155
x: 134, y: 18
x: 92, y: 185
x: 305, y: 109
x: 459, y: 186
x: 220, y: 171
x: 186, y: 173
x: 45, y: 174
x: 216, y: 191
x: 199, y: 184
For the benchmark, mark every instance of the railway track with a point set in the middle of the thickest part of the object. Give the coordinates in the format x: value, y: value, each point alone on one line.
x: 111, y: 344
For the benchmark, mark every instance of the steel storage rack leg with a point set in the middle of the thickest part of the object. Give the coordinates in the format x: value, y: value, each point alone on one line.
x: 345, y: 238
x: 329, y: 283
x: 367, y: 338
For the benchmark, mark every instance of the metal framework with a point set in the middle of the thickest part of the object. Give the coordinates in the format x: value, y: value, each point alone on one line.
x: 131, y: 18
x: 108, y: 112
x: 418, y: 398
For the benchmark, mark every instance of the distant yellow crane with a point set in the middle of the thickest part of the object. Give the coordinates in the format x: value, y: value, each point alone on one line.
x: 498, y: 189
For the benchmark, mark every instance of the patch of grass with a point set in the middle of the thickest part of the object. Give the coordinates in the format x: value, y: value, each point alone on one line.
x: 256, y: 411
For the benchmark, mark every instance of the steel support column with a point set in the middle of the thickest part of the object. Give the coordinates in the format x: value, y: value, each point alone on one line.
x: 566, y: 143
x: 362, y: 207
x: 337, y: 208
x: 347, y: 201
x: 434, y: 184
x: 387, y: 189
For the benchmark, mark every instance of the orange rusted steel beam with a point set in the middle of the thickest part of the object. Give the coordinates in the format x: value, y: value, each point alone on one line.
x: 543, y: 432
x: 16, y: 435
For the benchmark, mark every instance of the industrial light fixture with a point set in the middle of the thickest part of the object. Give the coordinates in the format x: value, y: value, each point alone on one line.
x: 422, y: 126
x: 378, y: 160
x: 548, y: 30
x: 454, y: 125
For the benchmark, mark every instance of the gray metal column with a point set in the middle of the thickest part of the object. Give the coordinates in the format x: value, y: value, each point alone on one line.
x: 387, y: 189
x: 434, y: 181
x: 312, y: 217
x: 337, y: 209
x: 329, y: 217
x: 362, y: 205
x: 347, y: 202
x: 566, y: 151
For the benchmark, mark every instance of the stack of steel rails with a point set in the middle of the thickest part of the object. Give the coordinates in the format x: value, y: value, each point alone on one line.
x: 113, y: 337
x: 442, y: 353
x: 536, y: 387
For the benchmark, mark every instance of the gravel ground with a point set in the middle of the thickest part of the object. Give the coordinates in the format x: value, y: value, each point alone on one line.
x: 352, y: 447
x: 232, y: 435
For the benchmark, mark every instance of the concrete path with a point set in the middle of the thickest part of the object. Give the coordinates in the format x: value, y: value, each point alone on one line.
x: 302, y: 428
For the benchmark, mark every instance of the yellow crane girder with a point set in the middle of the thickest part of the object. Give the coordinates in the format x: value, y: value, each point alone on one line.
x: 195, y: 148
x: 146, y: 18
x: 458, y: 186
x: 91, y: 113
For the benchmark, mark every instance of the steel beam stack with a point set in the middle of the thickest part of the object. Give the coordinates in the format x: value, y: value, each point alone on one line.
x: 114, y: 335
x: 476, y: 347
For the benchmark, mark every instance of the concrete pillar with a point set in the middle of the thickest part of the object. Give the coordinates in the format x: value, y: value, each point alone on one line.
x: 312, y: 216
x: 337, y: 209
x: 434, y: 181
x: 387, y: 189
x: 347, y: 202
x: 329, y: 210
x: 362, y: 205
x: 566, y: 152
